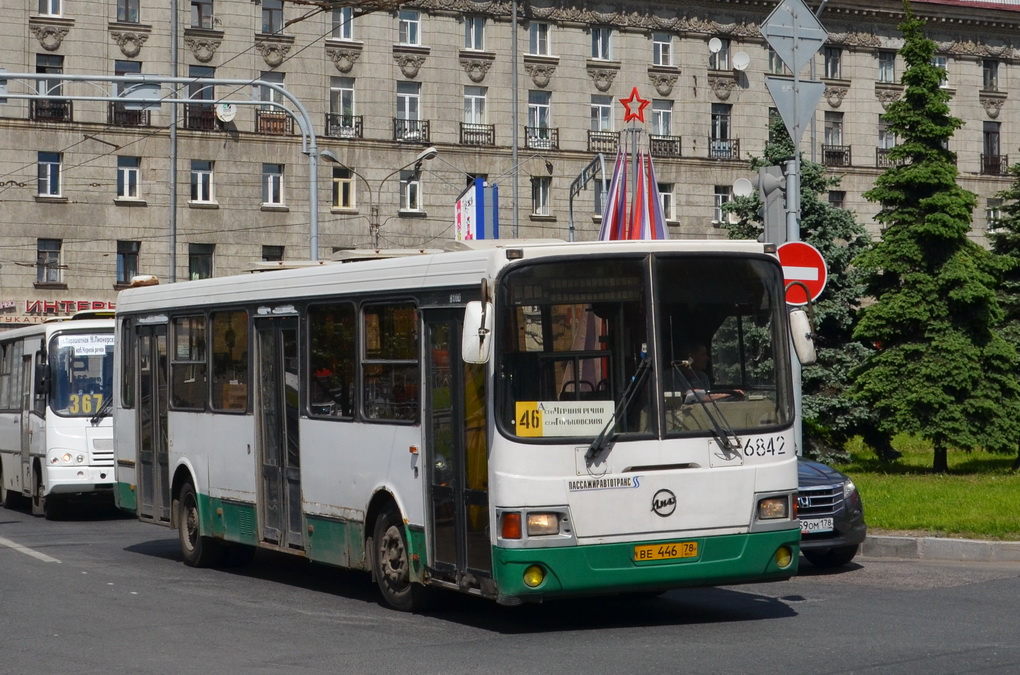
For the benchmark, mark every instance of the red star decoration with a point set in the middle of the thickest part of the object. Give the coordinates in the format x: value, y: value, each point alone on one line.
x: 641, y: 105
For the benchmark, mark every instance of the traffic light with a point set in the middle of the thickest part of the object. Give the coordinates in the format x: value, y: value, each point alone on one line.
x: 771, y: 184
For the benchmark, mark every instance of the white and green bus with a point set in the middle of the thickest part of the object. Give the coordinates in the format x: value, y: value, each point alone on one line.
x: 509, y: 419
x: 56, y: 433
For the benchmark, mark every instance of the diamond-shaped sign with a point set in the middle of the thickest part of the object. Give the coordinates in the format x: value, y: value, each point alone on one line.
x: 796, y: 102
x: 794, y: 33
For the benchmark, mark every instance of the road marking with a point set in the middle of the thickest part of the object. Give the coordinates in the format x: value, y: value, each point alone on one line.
x: 805, y: 273
x: 27, y: 551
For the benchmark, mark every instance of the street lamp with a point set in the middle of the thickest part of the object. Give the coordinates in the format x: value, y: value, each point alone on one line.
x: 373, y: 217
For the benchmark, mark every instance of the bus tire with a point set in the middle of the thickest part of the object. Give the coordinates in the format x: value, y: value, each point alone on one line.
x: 197, y: 551
x: 391, y: 565
x: 38, y: 498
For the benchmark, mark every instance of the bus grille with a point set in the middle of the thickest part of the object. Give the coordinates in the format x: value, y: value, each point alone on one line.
x: 102, y: 452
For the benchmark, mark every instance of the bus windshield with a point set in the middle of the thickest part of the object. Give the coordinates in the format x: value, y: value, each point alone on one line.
x: 80, y: 372
x: 573, y: 333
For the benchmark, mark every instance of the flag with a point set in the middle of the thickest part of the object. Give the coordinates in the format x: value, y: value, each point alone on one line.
x: 643, y: 219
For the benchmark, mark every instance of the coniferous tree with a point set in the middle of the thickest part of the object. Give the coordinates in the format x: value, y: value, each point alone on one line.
x: 830, y: 415
x: 940, y: 369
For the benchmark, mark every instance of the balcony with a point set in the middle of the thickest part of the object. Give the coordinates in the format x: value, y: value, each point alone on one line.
x: 994, y: 165
x: 603, y: 141
x: 541, y: 138
x: 882, y: 160
x: 273, y: 122
x: 51, y: 110
x: 664, y: 146
x: 724, y: 149
x: 119, y: 116
x: 477, y: 134
x: 413, y: 131
x: 199, y: 116
x: 344, y: 126
x: 836, y: 155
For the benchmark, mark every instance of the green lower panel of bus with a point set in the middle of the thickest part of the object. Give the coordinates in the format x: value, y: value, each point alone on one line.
x: 601, y: 568
x: 125, y: 498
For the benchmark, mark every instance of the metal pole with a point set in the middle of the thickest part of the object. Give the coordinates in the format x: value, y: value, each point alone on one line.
x: 172, y: 243
x: 514, y: 117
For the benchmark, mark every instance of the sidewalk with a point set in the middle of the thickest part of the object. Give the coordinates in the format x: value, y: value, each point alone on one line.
x: 939, y: 548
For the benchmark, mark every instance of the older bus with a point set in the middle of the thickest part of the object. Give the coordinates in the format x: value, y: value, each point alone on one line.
x: 56, y: 434
x: 509, y: 419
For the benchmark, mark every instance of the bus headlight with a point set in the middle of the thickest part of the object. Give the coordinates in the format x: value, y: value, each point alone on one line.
x: 543, y: 523
x: 773, y: 508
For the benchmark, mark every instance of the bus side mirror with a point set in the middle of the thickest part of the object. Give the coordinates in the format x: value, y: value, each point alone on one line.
x: 476, y: 339
x: 803, y: 336
x: 42, y: 380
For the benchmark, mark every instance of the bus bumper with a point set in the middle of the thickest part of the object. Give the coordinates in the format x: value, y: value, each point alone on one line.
x: 600, y: 569
x: 64, y: 480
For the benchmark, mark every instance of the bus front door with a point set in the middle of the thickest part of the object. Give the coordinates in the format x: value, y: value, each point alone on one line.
x: 153, y: 449
x: 279, y: 448
x: 456, y: 457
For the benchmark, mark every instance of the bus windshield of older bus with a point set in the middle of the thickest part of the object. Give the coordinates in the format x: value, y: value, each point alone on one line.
x: 80, y: 373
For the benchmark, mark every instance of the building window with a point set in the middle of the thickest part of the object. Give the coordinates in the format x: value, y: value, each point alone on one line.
x: 720, y: 195
x: 666, y: 201
x: 408, y: 100
x: 50, y: 7
x: 833, y: 128
x: 990, y: 75
x: 474, y: 32
x: 601, y: 113
x: 272, y: 16
x: 49, y: 174
x: 202, y: 14
x: 837, y: 199
x: 410, y: 191
x: 662, y: 49
x: 887, y: 67
x: 539, y: 108
x: 720, y: 145
x: 833, y: 63
x: 720, y: 60
x: 341, y: 105
x: 47, y: 261
x: 127, y: 260
x: 776, y: 65
x: 343, y: 23
x: 200, y: 261
x: 993, y: 214
x: 410, y: 27
x: 602, y: 43
x: 128, y: 172
x: 943, y: 63
x: 272, y: 253
x: 662, y: 117
x: 474, y: 105
x: 886, y: 137
x: 343, y: 188
x: 538, y: 39
x: 127, y: 11
x: 201, y: 181
x: 272, y: 184
x: 50, y: 64
x: 540, y: 186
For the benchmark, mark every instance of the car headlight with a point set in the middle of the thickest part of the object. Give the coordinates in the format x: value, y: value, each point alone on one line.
x: 849, y: 489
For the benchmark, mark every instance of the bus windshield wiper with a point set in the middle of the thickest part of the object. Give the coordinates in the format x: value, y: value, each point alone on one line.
x: 104, y: 411
x: 609, y: 431
x: 721, y: 428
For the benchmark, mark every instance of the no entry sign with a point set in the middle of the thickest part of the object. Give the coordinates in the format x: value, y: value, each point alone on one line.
x: 804, y: 271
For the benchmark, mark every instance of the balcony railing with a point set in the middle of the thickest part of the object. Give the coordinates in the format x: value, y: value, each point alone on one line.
x: 836, y: 155
x: 118, y: 116
x: 414, y: 131
x: 344, y: 126
x: 51, y: 110
x: 664, y: 146
x: 724, y: 149
x: 541, y: 138
x: 603, y: 141
x: 199, y: 116
x: 273, y: 122
x: 477, y: 134
x: 994, y: 165
x: 882, y: 160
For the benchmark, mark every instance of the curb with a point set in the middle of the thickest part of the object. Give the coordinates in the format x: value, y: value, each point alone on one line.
x: 939, y: 548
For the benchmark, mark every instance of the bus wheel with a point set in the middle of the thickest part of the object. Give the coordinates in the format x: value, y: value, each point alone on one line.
x: 197, y: 551
x: 390, y: 563
x: 38, y: 499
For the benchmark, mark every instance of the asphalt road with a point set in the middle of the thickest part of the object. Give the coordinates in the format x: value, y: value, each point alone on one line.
x: 107, y: 594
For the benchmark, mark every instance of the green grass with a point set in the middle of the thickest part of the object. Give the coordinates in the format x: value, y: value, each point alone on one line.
x: 978, y: 499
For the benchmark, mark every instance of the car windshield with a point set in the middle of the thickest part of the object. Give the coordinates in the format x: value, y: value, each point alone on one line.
x: 80, y: 372
x: 572, y: 334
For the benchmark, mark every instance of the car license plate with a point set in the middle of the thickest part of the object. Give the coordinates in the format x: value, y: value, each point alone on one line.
x: 816, y: 525
x: 669, y: 551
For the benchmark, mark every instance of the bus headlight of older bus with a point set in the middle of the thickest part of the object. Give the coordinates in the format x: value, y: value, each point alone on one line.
x: 67, y: 458
x: 774, y: 508
x: 527, y: 528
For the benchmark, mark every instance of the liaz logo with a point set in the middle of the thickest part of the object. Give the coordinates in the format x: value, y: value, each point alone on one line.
x: 664, y: 503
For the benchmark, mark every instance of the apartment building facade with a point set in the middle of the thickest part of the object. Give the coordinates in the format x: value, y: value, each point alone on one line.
x: 97, y: 190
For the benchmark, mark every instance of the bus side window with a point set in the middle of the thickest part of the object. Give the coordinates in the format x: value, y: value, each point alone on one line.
x: 331, y: 358
x: 229, y: 360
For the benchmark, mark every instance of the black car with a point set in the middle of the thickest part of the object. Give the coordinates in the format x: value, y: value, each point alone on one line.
x: 831, y: 515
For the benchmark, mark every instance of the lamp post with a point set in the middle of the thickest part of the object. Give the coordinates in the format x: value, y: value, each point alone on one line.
x: 373, y: 210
